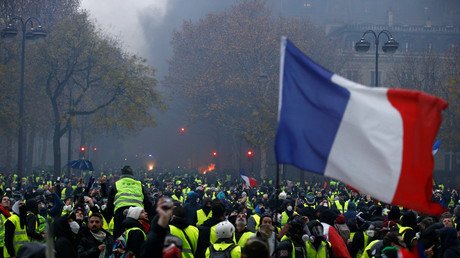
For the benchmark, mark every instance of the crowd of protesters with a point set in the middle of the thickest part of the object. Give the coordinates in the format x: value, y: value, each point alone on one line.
x: 167, y: 215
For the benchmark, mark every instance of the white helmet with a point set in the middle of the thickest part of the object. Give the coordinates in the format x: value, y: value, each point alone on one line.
x: 282, y: 196
x: 225, y: 229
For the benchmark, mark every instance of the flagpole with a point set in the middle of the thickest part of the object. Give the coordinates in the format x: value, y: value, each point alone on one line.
x: 279, y: 170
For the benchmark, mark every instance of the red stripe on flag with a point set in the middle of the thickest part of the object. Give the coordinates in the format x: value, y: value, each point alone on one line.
x: 421, y: 115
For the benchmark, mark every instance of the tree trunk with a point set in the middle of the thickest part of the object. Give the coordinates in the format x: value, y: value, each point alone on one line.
x: 83, y: 154
x: 43, y: 151
x: 236, y: 153
x: 30, y: 152
x: 57, y: 150
x: 9, y: 153
x: 263, y: 162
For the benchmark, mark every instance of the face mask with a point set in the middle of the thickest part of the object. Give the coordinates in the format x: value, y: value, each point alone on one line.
x: 289, y: 208
x: 68, y: 207
x: 74, y: 227
x: 370, y: 233
x: 103, y: 206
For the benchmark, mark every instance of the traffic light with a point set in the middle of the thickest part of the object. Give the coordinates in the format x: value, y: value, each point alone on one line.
x: 214, y: 153
x: 82, y: 149
x: 250, y: 154
x: 94, y: 149
x: 182, y: 130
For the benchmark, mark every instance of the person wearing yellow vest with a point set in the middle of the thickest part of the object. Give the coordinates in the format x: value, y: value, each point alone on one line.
x: 342, y: 203
x: 292, y: 245
x: 310, y: 200
x: 317, y: 245
x: 180, y: 228
x: 204, y: 213
x: 225, y: 234
x: 127, y: 192
x: 177, y: 196
x: 136, y: 227
x: 359, y: 239
x: 408, y: 223
x: 33, y: 223
x: 67, y: 191
x: 208, y: 234
x: 288, y: 213
x: 4, y: 214
x: 15, y: 230
x: 254, y: 219
x: 267, y: 232
x: 242, y: 233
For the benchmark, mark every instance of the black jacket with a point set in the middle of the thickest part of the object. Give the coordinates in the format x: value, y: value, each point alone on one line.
x: 64, y: 239
x: 88, y: 247
x: 135, y: 237
x: 450, y: 245
x: 153, y: 246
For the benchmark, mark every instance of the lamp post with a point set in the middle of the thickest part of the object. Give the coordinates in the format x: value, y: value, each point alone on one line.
x: 389, y: 47
x: 32, y: 33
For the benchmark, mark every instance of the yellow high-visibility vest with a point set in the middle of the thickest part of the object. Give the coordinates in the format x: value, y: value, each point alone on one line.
x: 129, y: 193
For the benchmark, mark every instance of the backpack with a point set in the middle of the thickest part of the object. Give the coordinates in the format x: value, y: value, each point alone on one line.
x: 222, y: 253
x: 120, y: 246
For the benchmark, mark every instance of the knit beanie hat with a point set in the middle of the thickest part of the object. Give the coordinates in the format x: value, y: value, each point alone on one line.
x: 134, y: 212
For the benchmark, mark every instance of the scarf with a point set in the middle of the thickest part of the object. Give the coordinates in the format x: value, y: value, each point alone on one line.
x: 100, y: 236
x: 5, y: 212
x: 145, y: 225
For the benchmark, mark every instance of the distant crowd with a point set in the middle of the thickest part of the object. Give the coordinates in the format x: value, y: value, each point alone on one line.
x: 190, y: 215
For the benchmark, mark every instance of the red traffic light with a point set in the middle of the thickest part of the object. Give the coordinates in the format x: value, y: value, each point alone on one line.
x: 214, y: 153
x: 182, y: 130
x: 94, y: 149
x: 250, y: 153
x: 82, y: 148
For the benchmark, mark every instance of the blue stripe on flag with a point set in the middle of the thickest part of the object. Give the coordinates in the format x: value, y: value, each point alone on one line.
x: 311, y: 111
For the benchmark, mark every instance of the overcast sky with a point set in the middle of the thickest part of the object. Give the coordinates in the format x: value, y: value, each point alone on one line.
x: 121, y: 18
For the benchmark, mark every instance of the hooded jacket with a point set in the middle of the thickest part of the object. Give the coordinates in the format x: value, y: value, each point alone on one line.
x: 64, y: 239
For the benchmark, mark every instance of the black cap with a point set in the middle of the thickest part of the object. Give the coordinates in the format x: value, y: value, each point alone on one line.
x: 127, y: 170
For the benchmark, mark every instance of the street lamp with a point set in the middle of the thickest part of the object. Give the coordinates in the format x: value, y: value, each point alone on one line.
x: 250, y: 155
x: 32, y: 33
x: 389, y: 47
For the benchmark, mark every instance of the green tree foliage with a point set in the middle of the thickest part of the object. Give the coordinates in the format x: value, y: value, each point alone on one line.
x: 227, y: 65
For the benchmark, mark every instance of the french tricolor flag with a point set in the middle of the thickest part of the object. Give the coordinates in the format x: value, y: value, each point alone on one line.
x: 377, y: 140
x: 250, y: 181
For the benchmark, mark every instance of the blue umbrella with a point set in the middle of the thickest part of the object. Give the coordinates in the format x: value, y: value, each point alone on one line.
x: 81, y: 164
